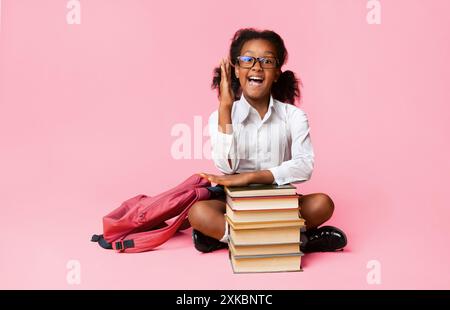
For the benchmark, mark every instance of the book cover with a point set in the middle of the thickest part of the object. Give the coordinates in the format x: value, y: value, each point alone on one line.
x: 263, y: 249
x: 260, y: 190
x: 271, y: 235
x: 269, y: 215
x: 299, y: 222
x: 265, y: 203
x: 266, y: 263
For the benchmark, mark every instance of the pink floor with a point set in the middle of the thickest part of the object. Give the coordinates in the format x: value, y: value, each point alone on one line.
x: 36, y: 257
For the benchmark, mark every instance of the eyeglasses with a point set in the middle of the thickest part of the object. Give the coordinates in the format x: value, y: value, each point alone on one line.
x: 265, y: 62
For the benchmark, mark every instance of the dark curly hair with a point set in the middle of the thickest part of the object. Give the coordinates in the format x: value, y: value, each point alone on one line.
x: 286, y: 89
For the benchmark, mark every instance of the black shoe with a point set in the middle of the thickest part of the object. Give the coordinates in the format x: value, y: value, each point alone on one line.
x: 205, y: 243
x: 324, y: 239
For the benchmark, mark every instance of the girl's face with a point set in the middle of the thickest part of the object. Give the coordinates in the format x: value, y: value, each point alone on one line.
x: 256, y: 82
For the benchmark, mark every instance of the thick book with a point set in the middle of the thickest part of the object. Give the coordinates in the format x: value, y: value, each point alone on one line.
x: 271, y: 224
x: 268, y: 215
x: 263, y: 249
x: 254, y: 190
x: 274, y: 235
x: 263, y: 202
x: 266, y: 263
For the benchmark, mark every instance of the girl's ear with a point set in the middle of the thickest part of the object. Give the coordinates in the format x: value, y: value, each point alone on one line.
x: 236, y: 72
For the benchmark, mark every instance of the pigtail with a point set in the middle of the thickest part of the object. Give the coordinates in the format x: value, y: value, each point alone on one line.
x: 287, y: 89
x: 216, y: 80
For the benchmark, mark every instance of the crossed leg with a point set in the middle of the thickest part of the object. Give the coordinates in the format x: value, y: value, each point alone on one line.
x: 207, y: 217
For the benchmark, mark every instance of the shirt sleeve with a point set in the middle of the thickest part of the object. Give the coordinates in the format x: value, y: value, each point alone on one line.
x: 223, y: 146
x: 300, y: 167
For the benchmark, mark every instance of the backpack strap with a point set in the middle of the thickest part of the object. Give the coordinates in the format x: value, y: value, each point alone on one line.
x: 101, y: 242
x: 119, y: 244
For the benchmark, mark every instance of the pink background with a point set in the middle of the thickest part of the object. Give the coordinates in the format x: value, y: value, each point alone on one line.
x: 86, y: 113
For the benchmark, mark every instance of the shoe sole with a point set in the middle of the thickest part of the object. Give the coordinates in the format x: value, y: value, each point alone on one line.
x: 203, y: 248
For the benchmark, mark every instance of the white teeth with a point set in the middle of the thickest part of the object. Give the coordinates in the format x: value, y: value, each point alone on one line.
x: 255, y: 78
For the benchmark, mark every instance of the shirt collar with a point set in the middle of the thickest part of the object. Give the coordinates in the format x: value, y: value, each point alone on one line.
x: 243, y: 108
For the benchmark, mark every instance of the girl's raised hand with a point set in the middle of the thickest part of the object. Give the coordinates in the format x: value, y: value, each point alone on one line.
x: 226, y: 92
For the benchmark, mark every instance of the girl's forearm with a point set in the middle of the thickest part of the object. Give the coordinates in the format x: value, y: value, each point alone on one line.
x: 260, y: 177
x: 225, y: 125
x: 225, y: 119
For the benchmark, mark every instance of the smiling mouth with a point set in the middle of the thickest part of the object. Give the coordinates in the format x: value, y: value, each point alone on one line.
x: 255, y: 81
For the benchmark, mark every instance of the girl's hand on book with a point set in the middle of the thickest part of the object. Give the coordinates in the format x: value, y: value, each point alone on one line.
x: 226, y: 92
x: 241, y: 179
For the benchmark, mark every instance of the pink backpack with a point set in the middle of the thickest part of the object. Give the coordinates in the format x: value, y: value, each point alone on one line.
x: 136, y: 225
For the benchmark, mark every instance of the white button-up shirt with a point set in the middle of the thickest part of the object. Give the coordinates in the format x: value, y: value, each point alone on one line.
x: 280, y: 142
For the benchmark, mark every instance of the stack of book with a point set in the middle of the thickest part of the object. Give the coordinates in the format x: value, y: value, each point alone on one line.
x: 265, y: 227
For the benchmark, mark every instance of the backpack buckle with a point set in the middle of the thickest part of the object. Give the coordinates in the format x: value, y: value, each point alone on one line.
x: 125, y: 244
